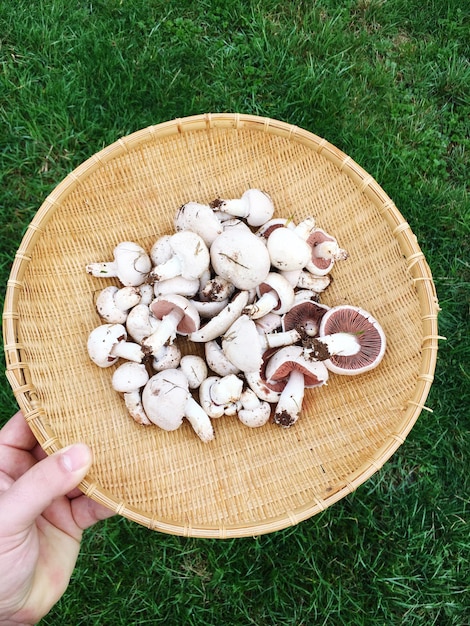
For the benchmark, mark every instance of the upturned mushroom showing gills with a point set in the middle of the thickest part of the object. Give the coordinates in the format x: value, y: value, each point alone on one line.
x: 131, y: 265
x: 290, y: 364
x: 177, y: 315
x: 167, y: 401
x: 305, y: 316
x: 366, y: 331
x: 325, y: 251
x: 275, y: 293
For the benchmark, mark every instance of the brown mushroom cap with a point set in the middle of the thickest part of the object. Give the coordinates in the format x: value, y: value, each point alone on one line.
x: 316, y: 237
x: 163, y: 305
x: 367, y: 330
x: 304, y: 316
x: 291, y: 358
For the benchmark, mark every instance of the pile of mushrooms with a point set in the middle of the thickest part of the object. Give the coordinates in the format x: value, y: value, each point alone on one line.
x: 246, y: 287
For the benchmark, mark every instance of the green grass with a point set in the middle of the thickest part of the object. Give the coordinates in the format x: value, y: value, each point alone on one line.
x: 388, y: 82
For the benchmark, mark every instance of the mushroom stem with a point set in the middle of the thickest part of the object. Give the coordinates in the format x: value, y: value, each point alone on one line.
x: 168, y: 269
x: 128, y: 350
x: 263, y: 305
x: 198, y: 419
x: 290, y: 401
x: 133, y: 402
x: 329, y: 250
x: 340, y: 344
x: 165, y: 331
x: 276, y: 340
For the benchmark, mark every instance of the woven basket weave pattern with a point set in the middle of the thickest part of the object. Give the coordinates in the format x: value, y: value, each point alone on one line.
x: 246, y: 482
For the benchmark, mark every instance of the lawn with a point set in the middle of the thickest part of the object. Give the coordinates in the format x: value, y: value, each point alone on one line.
x: 388, y: 82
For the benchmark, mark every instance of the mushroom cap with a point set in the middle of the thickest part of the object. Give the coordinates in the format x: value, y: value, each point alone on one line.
x: 290, y: 358
x: 106, y: 306
x: 164, y: 398
x: 242, y: 345
x: 102, y: 340
x: 192, y: 253
x: 287, y: 251
x: 319, y: 265
x: 241, y: 257
x: 168, y: 357
x: 132, y: 262
x: 284, y: 290
x: 163, y: 305
x: 130, y: 377
x: 194, y: 368
x: 200, y: 219
x: 276, y: 222
x: 161, y: 250
x: 368, y: 332
x: 305, y: 316
x: 261, y: 207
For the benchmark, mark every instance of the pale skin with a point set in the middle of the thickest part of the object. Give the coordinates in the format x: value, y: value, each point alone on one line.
x: 42, y: 519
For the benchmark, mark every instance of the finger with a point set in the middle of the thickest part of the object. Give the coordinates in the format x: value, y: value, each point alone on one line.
x: 33, y: 492
x: 87, y: 512
x: 17, y: 433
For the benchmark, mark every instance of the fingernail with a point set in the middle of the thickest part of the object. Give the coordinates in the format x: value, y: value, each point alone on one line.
x: 75, y: 457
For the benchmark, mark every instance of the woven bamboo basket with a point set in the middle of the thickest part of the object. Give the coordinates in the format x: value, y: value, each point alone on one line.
x: 247, y: 481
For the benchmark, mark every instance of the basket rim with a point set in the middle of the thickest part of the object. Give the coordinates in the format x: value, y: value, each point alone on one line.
x: 18, y: 374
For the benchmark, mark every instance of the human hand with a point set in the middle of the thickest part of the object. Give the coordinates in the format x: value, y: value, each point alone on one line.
x: 42, y: 518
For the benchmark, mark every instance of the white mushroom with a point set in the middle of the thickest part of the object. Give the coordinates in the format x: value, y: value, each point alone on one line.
x: 161, y: 251
x: 167, y: 401
x: 187, y: 287
x: 275, y: 293
x: 146, y: 293
x: 209, y: 309
x: 190, y: 257
x: 113, y: 303
x: 128, y: 379
x: 107, y: 343
x: 200, y: 219
x: 240, y: 257
x: 268, y: 322
x: 317, y: 284
x: 194, y: 368
x: 131, y: 265
x: 168, y: 357
x: 287, y: 251
x: 254, y: 412
x: 216, y: 326
x: 177, y: 315
x: 216, y: 289
x: 216, y: 359
x: 244, y: 346
x: 140, y: 322
x: 305, y: 228
x: 255, y: 206
x: 219, y: 395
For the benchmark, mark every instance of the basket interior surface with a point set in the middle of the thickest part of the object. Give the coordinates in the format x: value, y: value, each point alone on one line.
x: 246, y: 481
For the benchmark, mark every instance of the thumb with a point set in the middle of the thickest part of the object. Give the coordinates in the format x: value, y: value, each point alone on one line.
x: 36, y: 489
